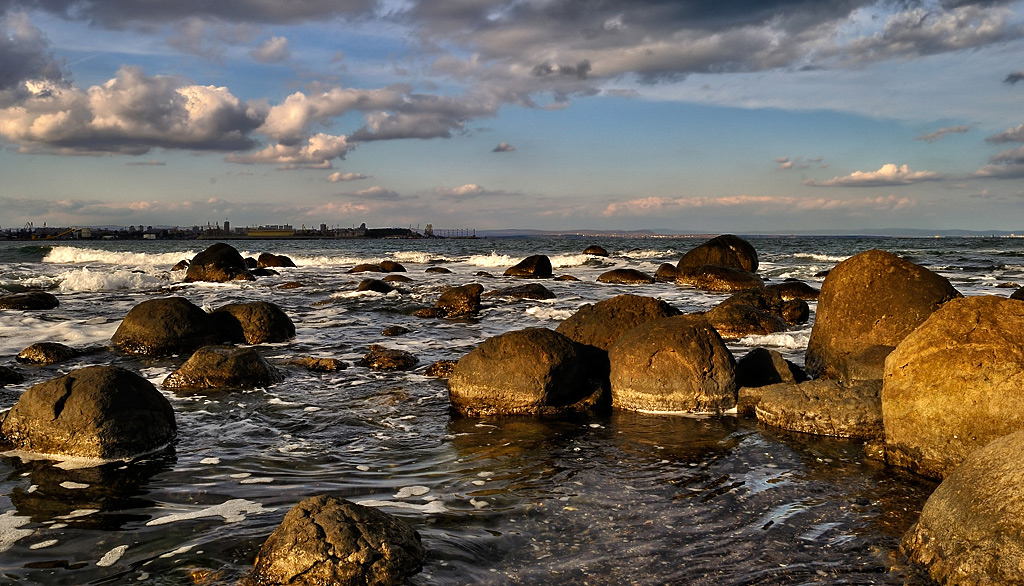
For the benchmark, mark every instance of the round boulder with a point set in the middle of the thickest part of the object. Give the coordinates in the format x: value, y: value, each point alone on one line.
x: 673, y: 364
x: 219, y: 263
x: 460, y: 301
x: 722, y: 251
x: 868, y: 304
x: 1018, y: 294
x: 102, y: 412
x: 666, y: 273
x: 534, y: 371
x: 536, y: 266
x: 954, y: 384
x: 375, y: 285
x: 790, y: 290
x: 390, y: 266
x: 381, y: 358
x: 220, y: 367
x: 438, y: 270
x: 396, y: 279
x: 327, y: 540
x: 718, y: 279
x: 273, y: 260
x: 160, y: 327
x: 625, y: 277
x: 46, y: 353
x: 528, y: 291
x: 32, y: 300
x: 602, y: 323
x: 254, y: 322
x: 366, y: 268
x: 595, y: 250
x: 736, y: 320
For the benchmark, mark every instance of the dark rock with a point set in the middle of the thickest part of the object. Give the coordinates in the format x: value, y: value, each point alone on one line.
x: 722, y: 251
x: 484, y: 274
x: 94, y: 412
x: 264, y: 273
x: 320, y: 364
x: 528, y: 291
x: 251, y: 263
x: 441, y: 368
x: 1018, y: 294
x: 395, y: 331
x: 9, y: 376
x: 181, y: 265
x: 870, y: 299
x: 428, y: 312
x: 440, y: 270
x: 625, y: 277
x: 954, y: 384
x: 566, y: 278
x: 971, y: 530
x: 32, y: 300
x: 534, y: 371
x: 602, y: 323
x: 375, y: 285
x: 790, y: 290
x: 596, y: 250
x: 325, y: 540
x: 219, y: 263
x: 223, y: 367
x: 390, y: 266
x: 715, y: 278
x: 537, y: 266
x: 823, y: 407
x: 397, y: 279
x: 291, y: 285
x: 366, y: 268
x: 1008, y: 285
x: 255, y: 322
x: 273, y: 260
x: 46, y: 353
x: 460, y: 301
x: 673, y: 364
x: 795, y: 311
x: 381, y: 358
x: 160, y: 327
x: 738, y: 320
x: 666, y: 273
x: 762, y: 367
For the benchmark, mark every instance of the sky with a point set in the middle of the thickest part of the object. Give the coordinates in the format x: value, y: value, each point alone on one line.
x: 687, y: 116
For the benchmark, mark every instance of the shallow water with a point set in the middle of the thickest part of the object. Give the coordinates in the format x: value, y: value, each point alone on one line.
x: 623, y: 498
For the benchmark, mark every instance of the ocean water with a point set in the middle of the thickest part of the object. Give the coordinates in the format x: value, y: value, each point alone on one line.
x: 619, y: 499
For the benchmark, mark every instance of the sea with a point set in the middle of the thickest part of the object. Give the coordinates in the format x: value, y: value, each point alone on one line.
x: 622, y: 498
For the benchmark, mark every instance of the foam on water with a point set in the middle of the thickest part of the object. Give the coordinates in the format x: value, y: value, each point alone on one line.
x: 820, y: 257
x: 788, y: 340
x: 74, y: 254
x: 232, y: 511
x: 561, y: 261
x: 548, y: 313
x: 419, y: 257
x: 84, y: 279
x: 493, y: 260
x: 11, y: 529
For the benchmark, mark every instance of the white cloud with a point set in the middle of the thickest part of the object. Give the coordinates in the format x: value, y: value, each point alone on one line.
x: 273, y: 50
x: 469, y: 190
x: 888, y: 175
x: 753, y: 204
x: 317, y: 153
x: 338, y: 176
x: 1009, y: 135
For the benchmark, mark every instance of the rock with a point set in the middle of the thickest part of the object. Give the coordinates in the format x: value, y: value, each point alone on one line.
x: 738, y: 320
x: 32, y: 300
x: 1018, y: 294
x: 375, y: 285
x: 715, y: 278
x: 366, y: 268
x: 219, y: 263
x: 390, y: 266
x: 666, y: 273
x: 441, y: 368
x: 161, y: 327
x: 795, y: 311
x: 181, y: 265
x: 381, y: 358
x: 440, y: 270
x: 9, y: 376
x: 722, y: 251
x: 460, y: 301
x: 971, y: 529
x: 954, y: 384
x: 397, y: 279
x: 326, y: 540
x: 428, y: 312
x: 264, y: 273
x: 394, y: 331
x: 102, y: 412
x: 483, y: 274
x: 595, y: 250
x: 566, y: 278
x: 254, y: 322
x: 534, y: 371
x: 273, y: 260
x: 602, y: 323
x: 790, y: 290
x: 223, y: 367
x: 528, y: 291
x: 251, y: 263
x: 537, y: 266
x: 762, y: 367
x: 291, y: 285
x: 46, y: 353
x: 320, y: 364
x: 673, y: 364
x: 873, y: 299
x: 625, y: 277
x: 823, y: 407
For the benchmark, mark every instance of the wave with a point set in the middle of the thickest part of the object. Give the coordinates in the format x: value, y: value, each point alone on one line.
x: 788, y: 340
x: 74, y: 255
x: 494, y: 260
x: 419, y: 257
x: 85, y: 280
x: 820, y: 257
x: 560, y: 261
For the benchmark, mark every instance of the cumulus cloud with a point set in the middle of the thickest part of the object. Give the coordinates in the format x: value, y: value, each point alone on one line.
x: 26, y: 55
x: 377, y: 193
x: 503, y: 147
x: 756, y: 204
x: 1010, y: 135
x: 317, y: 152
x: 467, y: 191
x: 338, y: 176
x: 889, y: 175
x: 272, y: 50
x: 938, y: 134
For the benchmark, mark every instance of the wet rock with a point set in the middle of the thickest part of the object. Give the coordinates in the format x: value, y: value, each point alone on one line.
x: 264, y: 273
x: 428, y: 312
x: 366, y: 268
x: 9, y: 376
x: 537, y: 266
x: 460, y: 301
x: 625, y: 277
x: 602, y: 323
x: 438, y: 270
x: 46, y: 353
x: 268, y: 259
x: 394, y: 331
x: 484, y: 274
x: 251, y: 263
x: 720, y: 279
x: 291, y: 285
x: 722, y: 251
x: 441, y: 368
x: 534, y: 371
x: 795, y: 311
x: 869, y: 300
x: 219, y: 263
x: 320, y: 364
x: 971, y: 529
x: 223, y: 367
x: 161, y: 327
x: 595, y: 250
x: 397, y: 279
x: 666, y: 273
x: 381, y: 358
x: 255, y: 322
x: 528, y: 291
x: 790, y: 290
x: 375, y: 285
x: 738, y: 320
x: 823, y: 407
x: 673, y: 364
x: 32, y: 300
x: 566, y: 278
x: 94, y: 412
x: 390, y: 266
x: 762, y: 367
x: 955, y: 384
x: 326, y: 540
x: 1018, y: 294
x: 181, y: 265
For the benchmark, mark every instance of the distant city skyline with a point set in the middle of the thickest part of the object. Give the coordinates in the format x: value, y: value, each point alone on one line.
x: 688, y: 117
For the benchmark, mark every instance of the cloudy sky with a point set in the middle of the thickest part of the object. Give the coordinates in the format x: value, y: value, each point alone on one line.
x: 690, y: 116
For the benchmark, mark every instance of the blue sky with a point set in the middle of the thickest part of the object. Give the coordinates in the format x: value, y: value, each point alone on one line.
x: 726, y: 116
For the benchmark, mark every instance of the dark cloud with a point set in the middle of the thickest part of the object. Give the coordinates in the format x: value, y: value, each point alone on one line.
x: 503, y: 147
x: 938, y: 134
x: 25, y: 53
x: 1014, y: 77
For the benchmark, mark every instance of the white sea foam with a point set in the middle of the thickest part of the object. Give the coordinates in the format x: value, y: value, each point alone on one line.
x: 493, y: 260
x: 559, y: 261
x: 111, y: 557
x: 420, y: 257
x: 11, y: 529
x: 411, y: 491
x: 232, y: 511
x: 790, y: 340
x: 74, y: 254
x: 820, y: 257
x: 431, y: 508
x: 548, y: 313
x: 85, y: 280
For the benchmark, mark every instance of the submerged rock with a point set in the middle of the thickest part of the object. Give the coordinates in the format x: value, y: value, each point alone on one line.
x: 823, y: 407
x: 9, y: 376
x: 381, y: 358
x: 161, y: 327
x: 528, y: 291
x: 219, y: 263
x: 625, y: 277
x: 394, y: 331
x: 440, y: 270
x: 366, y: 268
x: 537, y: 266
x: 396, y: 279
x: 375, y: 285
x: 223, y: 367
x: 441, y: 368
x: 761, y: 367
x: 737, y: 320
x: 320, y: 364
x: 46, y: 353
x: 602, y: 323
x: 666, y: 273
x: 102, y: 412
x: 789, y: 290
x: 32, y: 300
x: 722, y: 251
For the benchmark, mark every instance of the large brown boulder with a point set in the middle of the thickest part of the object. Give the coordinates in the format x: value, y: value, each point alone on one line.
x: 595, y: 250
x: 722, y: 251
x: 537, y: 266
x: 823, y: 407
x: 254, y: 322
x: 223, y: 367
x: 161, y: 327
x: 666, y: 273
x: 534, y: 371
x: 46, y: 353
x: 326, y: 540
x: 738, y: 320
x: 219, y: 263
x: 868, y: 304
x: 602, y: 323
x: 625, y: 277
x: 460, y: 301
x: 971, y: 530
x: 268, y: 259
x: 102, y: 412
x: 32, y: 300
x: 673, y: 364
x: 527, y: 291
x: 954, y: 384
x: 718, y: 279
x: 791, y: 289
x: 390, y: 266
